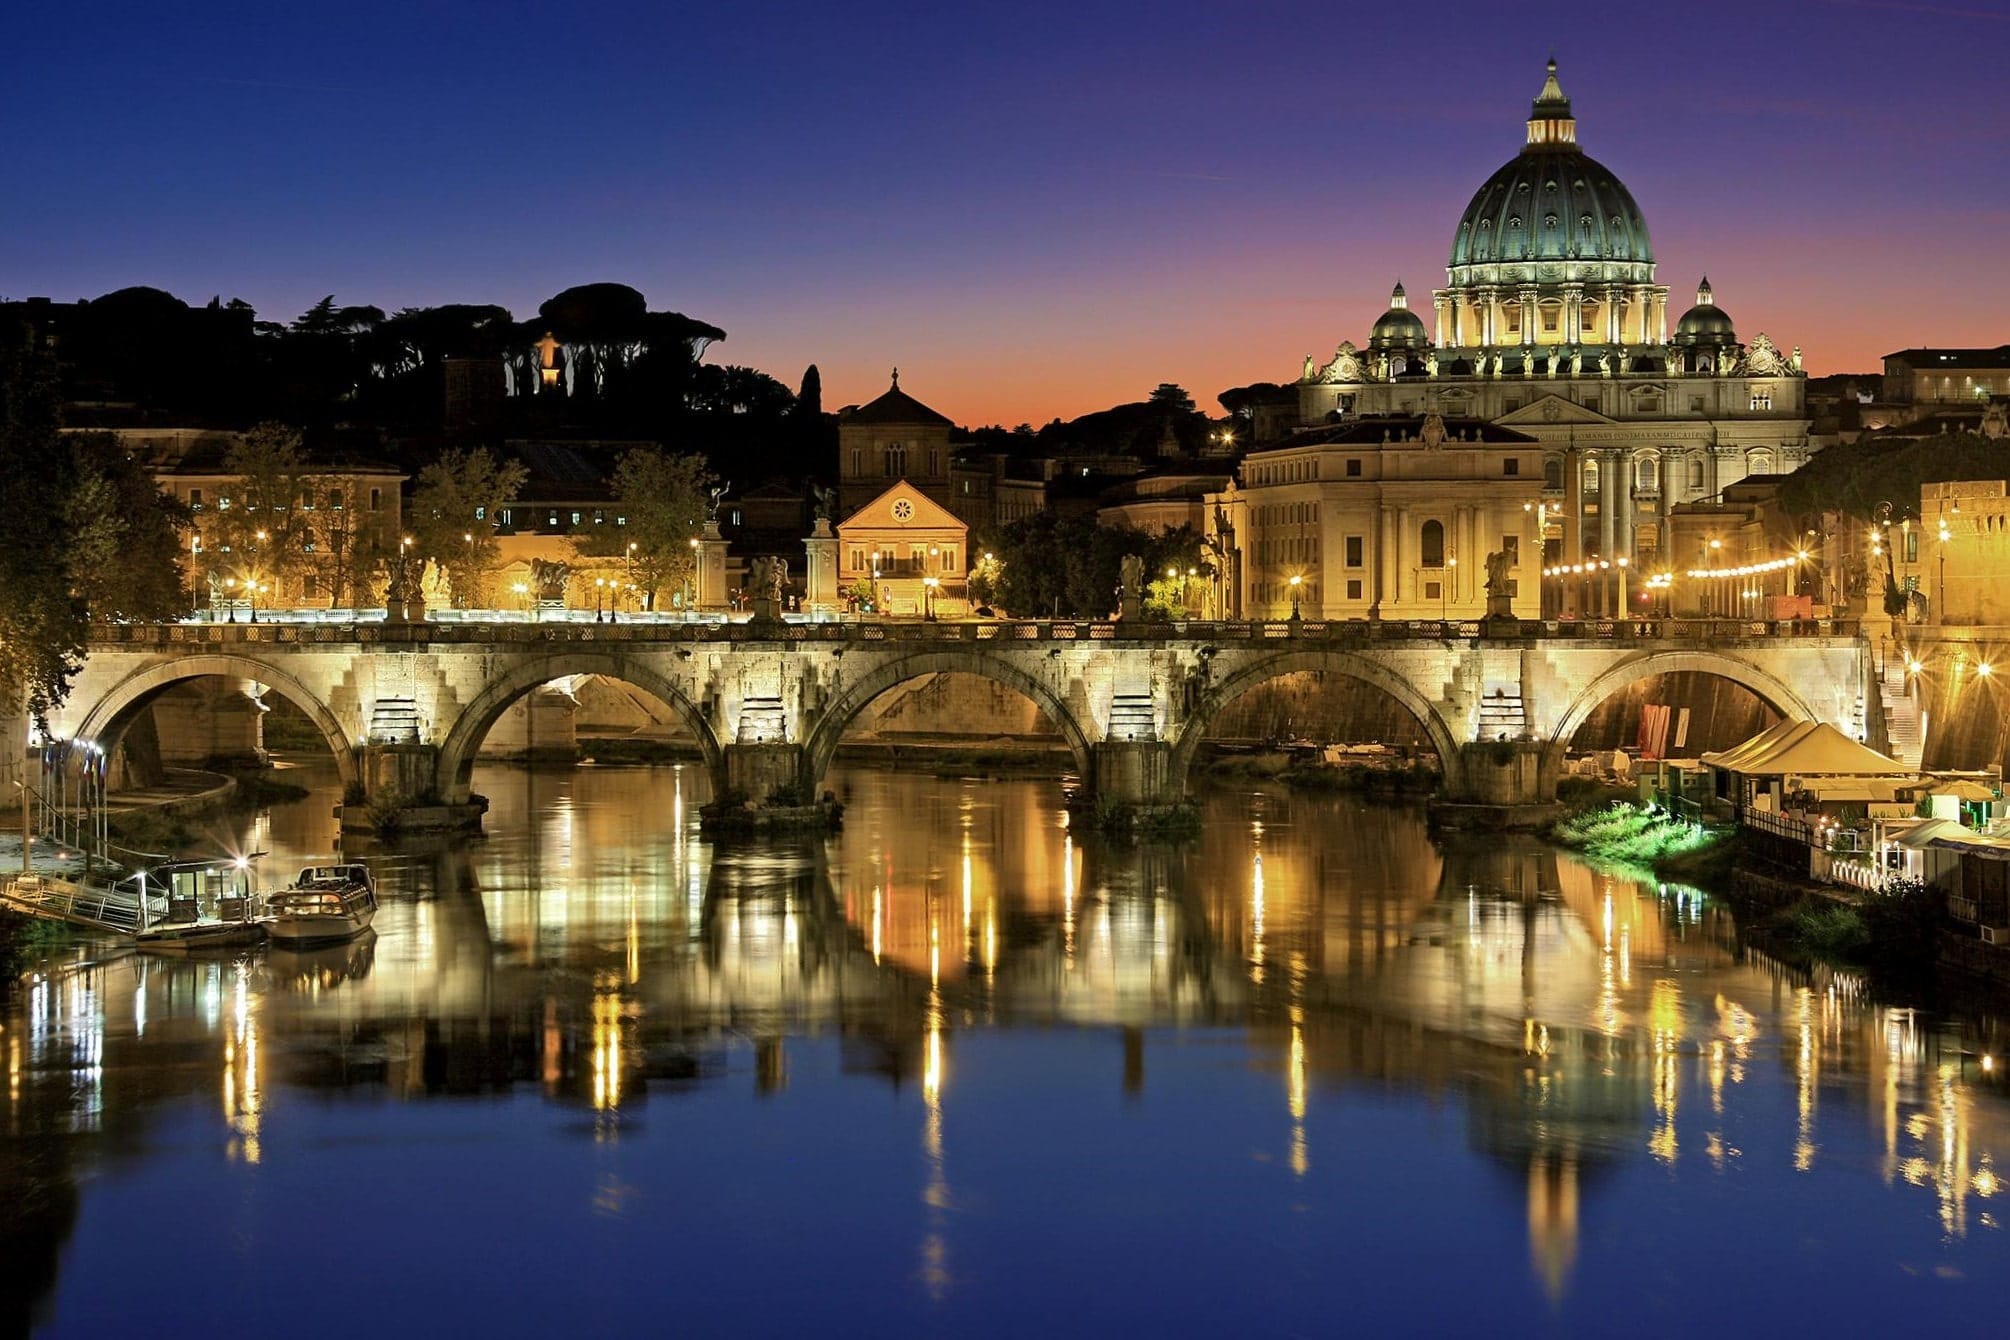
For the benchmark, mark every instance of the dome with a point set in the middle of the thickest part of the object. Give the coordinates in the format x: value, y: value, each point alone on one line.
x: 1399, y: 327
x: 1706, y: 322
x: 1553, y: 208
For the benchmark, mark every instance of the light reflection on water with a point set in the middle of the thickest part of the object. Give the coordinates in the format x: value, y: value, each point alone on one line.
x: 961, y: 1035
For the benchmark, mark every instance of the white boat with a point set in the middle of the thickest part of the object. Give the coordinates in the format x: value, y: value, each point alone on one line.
x: 204, y: 905
x: 327, y: 904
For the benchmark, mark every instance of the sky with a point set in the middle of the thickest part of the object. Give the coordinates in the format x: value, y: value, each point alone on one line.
x: 1033, y: 210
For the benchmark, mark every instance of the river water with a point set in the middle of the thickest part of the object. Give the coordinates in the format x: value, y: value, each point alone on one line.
x: 958, y: 1069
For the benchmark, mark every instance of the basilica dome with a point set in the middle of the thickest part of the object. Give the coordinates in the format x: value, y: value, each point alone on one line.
x: 1553, y: 212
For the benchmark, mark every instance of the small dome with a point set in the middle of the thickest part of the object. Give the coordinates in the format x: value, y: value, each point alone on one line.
x: 1706, y: 322
x: 1399, y: 327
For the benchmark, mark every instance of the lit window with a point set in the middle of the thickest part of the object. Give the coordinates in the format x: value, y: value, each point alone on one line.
x: 1762, y: 400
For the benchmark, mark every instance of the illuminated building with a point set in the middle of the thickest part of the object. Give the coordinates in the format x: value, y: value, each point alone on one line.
x: 1551, y: 324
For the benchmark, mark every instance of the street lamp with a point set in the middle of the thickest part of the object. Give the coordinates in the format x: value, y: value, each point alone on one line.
x: 230, y: 585
x: 1296, y: 582
x: 1445, y: 588
x: 599, y: 589
x: 928, y: 585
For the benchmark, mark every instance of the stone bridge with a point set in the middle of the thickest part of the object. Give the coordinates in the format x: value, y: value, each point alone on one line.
x: 404, y: 708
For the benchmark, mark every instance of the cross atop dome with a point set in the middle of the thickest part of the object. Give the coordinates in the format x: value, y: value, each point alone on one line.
x: 1549, y: 119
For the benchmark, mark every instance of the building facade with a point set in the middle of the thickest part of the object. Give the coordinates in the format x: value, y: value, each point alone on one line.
x: 1552, y: 325
x: 893, y: 438
x: 1392, y: 519
x: 904, y: 553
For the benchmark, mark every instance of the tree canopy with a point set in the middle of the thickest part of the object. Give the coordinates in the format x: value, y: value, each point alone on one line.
x: 1855, y: 478
x: 1072, y: 566
x: 662, y: 500
x: 452, y: 517
x: 88, y: 535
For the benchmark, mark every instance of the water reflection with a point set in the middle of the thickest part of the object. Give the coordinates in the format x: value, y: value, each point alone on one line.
x: 594, y: 951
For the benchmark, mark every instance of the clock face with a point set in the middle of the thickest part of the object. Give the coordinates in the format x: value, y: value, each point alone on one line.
x: 903, y: 510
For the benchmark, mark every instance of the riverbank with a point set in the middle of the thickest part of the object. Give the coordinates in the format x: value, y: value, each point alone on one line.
x: 1413, y: 777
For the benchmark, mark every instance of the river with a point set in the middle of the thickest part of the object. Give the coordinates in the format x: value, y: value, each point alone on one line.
x: 960, y: 1069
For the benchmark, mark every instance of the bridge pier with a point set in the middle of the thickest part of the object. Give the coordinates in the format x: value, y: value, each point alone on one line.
x: 401, y: 794
x: 1134, y: 786
x: 1499, y: 784
x: 762, y: 770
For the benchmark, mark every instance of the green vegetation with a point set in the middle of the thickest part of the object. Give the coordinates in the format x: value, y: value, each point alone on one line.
x: 89, y: 535
x: 1633, y: 835
x: 1069, y: 565
x: 23, y: 940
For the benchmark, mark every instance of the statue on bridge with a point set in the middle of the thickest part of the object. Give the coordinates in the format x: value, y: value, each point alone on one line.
x: 404, y: 601
x: 1498, y: 566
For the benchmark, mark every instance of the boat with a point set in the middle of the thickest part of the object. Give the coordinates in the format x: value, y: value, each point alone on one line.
x: 205, y: 905
x: 327, y: 904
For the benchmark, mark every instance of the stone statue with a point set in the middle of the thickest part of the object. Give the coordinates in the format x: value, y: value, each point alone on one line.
x: 1605, y: 365
x: 1432, y: 432
x: 1995, y: 421
x: 1132, y: 569
x: 712, y: 500
x: 778, y: 576
x: 825, y: 503
x: 1498, y: 564
x: 1311, y: 369
x: 1797, y: 358
x: 1431, y: 364
x: 548, y: 578
x: 1728, y: 364
x: 1382, y: 367
x: 1555, y: 363
x: 1500, y: 363
x: 1576, y: 361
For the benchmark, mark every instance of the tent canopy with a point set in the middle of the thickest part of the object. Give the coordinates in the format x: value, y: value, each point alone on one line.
x: 1805, y: 749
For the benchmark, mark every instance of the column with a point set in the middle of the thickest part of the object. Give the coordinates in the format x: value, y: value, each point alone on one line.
x: 1622, y: 518
x: 1608, y: 502
x: 1400, y: 561
x: 1573, y: 506
x: 1446, y: 329
x: 1613, y: 317
x: 1531, y: 317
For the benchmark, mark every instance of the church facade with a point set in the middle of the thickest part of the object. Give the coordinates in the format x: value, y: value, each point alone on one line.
x: 1552, y: 327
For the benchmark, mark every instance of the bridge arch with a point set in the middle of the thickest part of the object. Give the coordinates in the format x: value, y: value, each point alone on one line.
x: 1260, y: 670
x: 1775, y: 692
x: 463, y: 740
x: 108, y: 719
x: 836, y: 718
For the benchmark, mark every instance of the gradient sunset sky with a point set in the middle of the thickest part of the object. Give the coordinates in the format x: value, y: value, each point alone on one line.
x: 1033, y: 210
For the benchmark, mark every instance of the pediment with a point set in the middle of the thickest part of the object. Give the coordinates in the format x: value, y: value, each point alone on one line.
x: 1552, y: 409
x: 902, y: 507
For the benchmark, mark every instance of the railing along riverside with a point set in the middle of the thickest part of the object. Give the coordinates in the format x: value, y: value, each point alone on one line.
x: 1358, y: 632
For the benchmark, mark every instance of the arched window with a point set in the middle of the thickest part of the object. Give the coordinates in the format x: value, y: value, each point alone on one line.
x: 1647, y: 472
x: 1552, y: 473
x: 1431, y: 545
x: 1591, y: 477
x: 1759, y: 462
x: 896, y: 459
x: 1696, y: 473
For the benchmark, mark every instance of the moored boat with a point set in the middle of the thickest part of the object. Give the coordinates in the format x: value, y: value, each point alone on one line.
x: 327, y: 904
x: 204, y: 905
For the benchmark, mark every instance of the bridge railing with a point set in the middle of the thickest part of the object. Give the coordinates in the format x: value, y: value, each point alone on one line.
x: 1346, y: 631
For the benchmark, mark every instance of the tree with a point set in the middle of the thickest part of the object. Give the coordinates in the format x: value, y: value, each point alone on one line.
x: 261, y: 534
x: 1073, y: 566
x: 662, y: 500
x: 1167, y: 395
x: 86, y: 528
x: 452, y: 507
x: 127, y: 564
x: 42, y: 629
